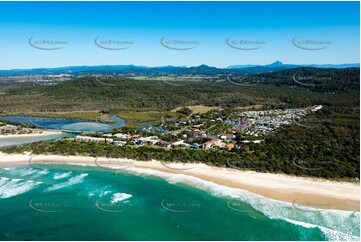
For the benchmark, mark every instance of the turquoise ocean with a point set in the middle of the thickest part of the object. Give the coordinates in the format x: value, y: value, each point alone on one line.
x: 67, y: 202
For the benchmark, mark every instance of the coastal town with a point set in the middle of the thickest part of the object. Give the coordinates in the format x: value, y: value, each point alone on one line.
x: 215, y: 129
x: 212, y: 130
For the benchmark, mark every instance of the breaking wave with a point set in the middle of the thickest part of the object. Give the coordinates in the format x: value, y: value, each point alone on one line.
x: 62, y: 175
x: 13, y: 187
x: 72, y: 181
x: 118, y: 197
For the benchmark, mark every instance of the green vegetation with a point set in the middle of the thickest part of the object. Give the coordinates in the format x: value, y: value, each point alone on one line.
x: 327, y: 145
x: 134, y: 119
x: 198, y: 108
x: 247, y: 161
x: 318, y: 80
x: 69, y: 115
x: 185, y: 111
x: 330, y: 135
x: 87, y: 94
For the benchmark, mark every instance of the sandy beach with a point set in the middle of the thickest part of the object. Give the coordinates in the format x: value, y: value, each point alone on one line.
x: 37, y: 133
x: 318, y: 193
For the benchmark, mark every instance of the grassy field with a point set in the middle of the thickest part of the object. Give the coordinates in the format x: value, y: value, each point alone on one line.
x: 133, y: 118
x: 251, y: 107
x: 198, y: 109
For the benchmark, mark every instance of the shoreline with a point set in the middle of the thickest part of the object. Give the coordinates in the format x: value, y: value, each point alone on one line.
x: 301, y: 191
x: 43, y: 133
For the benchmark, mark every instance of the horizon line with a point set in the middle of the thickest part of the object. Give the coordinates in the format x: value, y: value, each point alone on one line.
x: 180, y: 66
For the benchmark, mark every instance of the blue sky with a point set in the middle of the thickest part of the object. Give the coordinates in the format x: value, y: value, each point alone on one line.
x: 267, y: 26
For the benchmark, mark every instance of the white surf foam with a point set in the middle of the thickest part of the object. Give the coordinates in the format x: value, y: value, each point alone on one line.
x: 329, y: 233
x: 97, y: 191
x: 62, y: 175
x: 40, y: 173
x: 15, y: 179
x: 118, y: 197
x: 103, y: 193
x: 43, y: 172
x: 14, y: 187
x: 3, y: 180
x: 23, y: 171
x: 72, y: 181
x: 329, y: 221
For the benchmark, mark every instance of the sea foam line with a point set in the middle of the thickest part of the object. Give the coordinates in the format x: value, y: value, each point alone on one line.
x: 330, y: 234
x: 61, y: 175
x: 72, y: 181
x: 23, y: 171
x: 333, y: 223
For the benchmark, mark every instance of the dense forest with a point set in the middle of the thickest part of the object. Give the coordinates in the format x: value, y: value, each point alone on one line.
x: 317, y: 80
x: 278, y: 89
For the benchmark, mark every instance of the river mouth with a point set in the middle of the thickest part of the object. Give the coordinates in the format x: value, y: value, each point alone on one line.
x: 69, y: 126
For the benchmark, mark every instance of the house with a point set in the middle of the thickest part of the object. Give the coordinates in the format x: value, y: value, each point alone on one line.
x: 163, y: 144
x: 227, y: 136
x: 150, y: 140
x: 196, y: 126
x: 93, y: 139
x: 249, y: 122
x: 195, y: 145
x: 199, y: 135
x: 119, y: 143
x: 133, y: 136
x: 211, y: 143
x: 138, y: 142
x: 230, y: 146
x: 121, y: 136
x: 239, y: 127
x: 178, y: 143
x: 221, y: 145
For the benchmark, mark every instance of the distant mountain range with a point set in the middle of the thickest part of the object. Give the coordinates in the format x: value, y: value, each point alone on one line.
x: 279, y: 64
x: 132, y: 70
